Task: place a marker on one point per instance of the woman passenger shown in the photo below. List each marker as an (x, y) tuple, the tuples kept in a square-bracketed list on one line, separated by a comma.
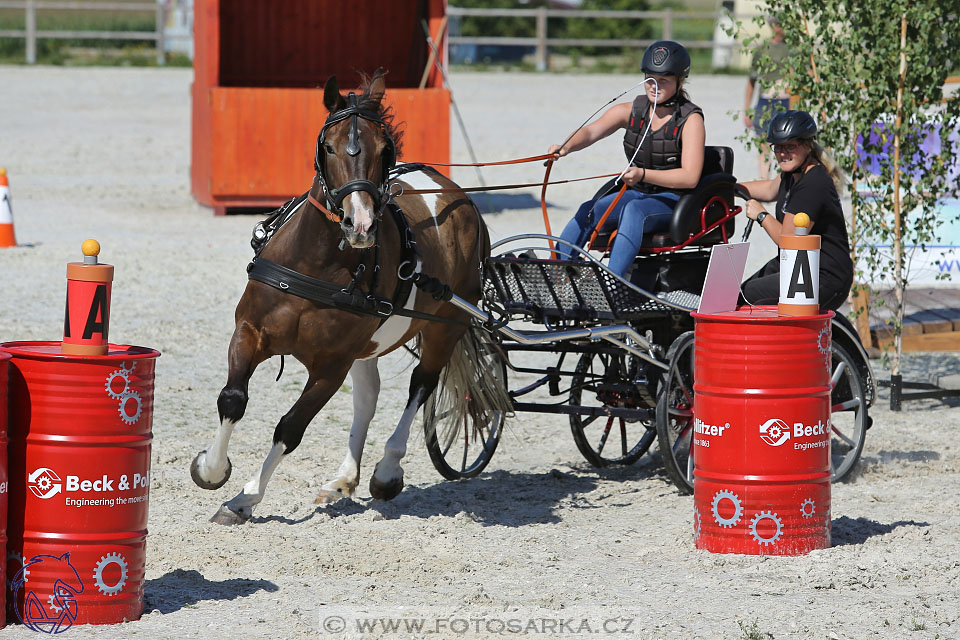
[(807, 183)]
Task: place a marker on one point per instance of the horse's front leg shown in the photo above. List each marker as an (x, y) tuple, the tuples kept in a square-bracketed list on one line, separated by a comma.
[(286, 438), (387, 479), (211, 467), (366, 389)]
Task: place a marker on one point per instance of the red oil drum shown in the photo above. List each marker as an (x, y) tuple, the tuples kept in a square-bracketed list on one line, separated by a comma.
[(762, 432), (4, 484), (80, 433)]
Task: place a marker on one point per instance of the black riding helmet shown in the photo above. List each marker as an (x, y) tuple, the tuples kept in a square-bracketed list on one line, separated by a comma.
[(666, 58), (791, 125)]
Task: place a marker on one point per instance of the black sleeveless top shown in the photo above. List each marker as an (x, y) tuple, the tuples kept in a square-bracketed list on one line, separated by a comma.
[(661, 148)]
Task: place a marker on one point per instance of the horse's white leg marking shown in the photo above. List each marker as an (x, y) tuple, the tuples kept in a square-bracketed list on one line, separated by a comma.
[(387, 336), (366, 389), (212, 464), (244, 502), (362, 216), (388, 470), (419, 180)]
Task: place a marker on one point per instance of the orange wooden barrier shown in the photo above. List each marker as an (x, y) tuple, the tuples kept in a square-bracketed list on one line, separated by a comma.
[(259, 70)]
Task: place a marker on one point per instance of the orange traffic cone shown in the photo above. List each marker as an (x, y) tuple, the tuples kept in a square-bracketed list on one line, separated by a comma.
[(7, 237)]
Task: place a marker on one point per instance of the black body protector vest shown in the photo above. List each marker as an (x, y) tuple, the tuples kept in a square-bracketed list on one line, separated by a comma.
[(661, 148)]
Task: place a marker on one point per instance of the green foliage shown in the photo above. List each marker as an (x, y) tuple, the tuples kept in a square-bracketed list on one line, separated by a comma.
[(845, 66), (603, 28), (499, 26)]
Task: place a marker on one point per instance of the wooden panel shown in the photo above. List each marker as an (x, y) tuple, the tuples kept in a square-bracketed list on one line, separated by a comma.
[(263, 139), (299, 43)]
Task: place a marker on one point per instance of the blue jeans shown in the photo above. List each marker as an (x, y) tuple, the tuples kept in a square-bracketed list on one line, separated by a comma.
[(636, 214)]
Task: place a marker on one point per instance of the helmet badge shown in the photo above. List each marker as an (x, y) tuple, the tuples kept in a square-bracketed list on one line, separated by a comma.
[(660, 55)]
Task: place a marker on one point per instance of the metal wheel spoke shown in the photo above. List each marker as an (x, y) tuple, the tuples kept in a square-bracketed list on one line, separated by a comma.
[(623, 437), (606, 433), (843, 437), (837, 374), (853, 403), (679, 412)]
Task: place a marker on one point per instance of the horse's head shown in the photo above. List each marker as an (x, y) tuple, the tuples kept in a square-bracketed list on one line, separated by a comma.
[(356, 150)]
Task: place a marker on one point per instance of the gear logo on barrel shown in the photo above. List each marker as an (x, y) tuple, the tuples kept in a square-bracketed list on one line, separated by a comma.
[(774, 432), (106, 561), (807, 508), (760, 517), (118, 387), (44, 483), (723, 494)]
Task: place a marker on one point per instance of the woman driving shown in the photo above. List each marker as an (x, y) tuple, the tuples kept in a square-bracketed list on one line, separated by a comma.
[(664, 143), (807, 183)]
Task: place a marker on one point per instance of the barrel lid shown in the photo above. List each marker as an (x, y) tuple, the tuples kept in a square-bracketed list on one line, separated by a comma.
[(757, 313), (50, 350)]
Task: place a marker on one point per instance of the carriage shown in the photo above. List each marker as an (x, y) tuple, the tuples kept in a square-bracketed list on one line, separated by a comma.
[(332, 284), (616, 354)]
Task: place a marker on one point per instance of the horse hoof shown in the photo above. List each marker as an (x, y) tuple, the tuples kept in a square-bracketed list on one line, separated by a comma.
[(200, 482), (385, 490), (226, 516), (328, 496)]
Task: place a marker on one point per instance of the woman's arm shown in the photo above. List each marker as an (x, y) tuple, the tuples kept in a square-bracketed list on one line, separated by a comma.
[(616, 117), (687, 175), (763, 190), (770, 223)]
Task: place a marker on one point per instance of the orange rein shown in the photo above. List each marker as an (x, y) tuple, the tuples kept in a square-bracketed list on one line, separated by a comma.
[(550, 159)]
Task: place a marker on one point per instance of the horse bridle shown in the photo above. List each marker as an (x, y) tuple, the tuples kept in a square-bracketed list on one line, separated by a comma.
[(335, 197)]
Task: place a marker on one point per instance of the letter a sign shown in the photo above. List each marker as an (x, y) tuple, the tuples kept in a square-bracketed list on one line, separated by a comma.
[(799, 276)]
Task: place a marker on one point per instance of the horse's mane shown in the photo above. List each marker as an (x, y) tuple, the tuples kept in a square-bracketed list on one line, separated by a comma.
[(374, 102)]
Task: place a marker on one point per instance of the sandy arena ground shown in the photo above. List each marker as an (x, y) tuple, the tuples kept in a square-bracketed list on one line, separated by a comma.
[(540, 536)]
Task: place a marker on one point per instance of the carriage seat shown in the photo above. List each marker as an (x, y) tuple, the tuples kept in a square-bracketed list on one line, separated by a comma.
[(716, 181)]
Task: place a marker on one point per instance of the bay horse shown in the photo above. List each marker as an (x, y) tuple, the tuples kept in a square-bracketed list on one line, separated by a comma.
[(339, 237)]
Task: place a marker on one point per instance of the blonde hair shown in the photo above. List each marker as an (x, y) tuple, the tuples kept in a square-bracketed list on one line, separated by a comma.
[(823, 156)]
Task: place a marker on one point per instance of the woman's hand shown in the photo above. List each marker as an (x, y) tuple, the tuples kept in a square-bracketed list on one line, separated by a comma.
[(753, 209), (633, 175), (557, 150)]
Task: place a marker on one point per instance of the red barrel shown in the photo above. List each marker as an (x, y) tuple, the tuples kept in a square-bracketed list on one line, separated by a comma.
[(80, 480), (762, 432), (4, 485)]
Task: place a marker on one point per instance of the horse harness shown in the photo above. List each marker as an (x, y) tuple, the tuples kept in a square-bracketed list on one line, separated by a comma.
[(351, 298)]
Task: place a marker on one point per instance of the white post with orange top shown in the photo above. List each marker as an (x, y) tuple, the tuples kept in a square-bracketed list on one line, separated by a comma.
[(799, 270), (7, 236)]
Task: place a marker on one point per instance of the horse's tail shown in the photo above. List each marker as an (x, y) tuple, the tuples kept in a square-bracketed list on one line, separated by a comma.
[(473, 385)]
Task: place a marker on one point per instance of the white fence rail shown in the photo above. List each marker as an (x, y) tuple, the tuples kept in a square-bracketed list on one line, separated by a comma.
[(32, 34), (542, 42)]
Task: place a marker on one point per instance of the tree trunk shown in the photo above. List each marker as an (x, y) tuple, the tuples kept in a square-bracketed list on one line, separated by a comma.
[(898, 261)]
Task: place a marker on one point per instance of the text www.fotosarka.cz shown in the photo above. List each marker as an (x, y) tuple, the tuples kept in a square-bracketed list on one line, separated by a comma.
[(399, 625)]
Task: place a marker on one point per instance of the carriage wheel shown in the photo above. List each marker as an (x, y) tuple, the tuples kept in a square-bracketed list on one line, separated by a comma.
[(675, 414), (848, 417), (603, 379), (463, 448)]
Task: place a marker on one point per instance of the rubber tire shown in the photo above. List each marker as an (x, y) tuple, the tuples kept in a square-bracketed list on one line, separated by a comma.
[(482, 459), (850, 386), (678, 467)]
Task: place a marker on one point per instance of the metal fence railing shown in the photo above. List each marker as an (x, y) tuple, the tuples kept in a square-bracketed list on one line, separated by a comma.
[(542, 43), (32, 34)]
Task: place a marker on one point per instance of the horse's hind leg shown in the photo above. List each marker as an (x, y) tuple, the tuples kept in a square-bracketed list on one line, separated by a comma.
[(211, 467), (438, 344), (286, 438), (366, 390)]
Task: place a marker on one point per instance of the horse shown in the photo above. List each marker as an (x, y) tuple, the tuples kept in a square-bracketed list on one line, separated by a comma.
[(339, 241)]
